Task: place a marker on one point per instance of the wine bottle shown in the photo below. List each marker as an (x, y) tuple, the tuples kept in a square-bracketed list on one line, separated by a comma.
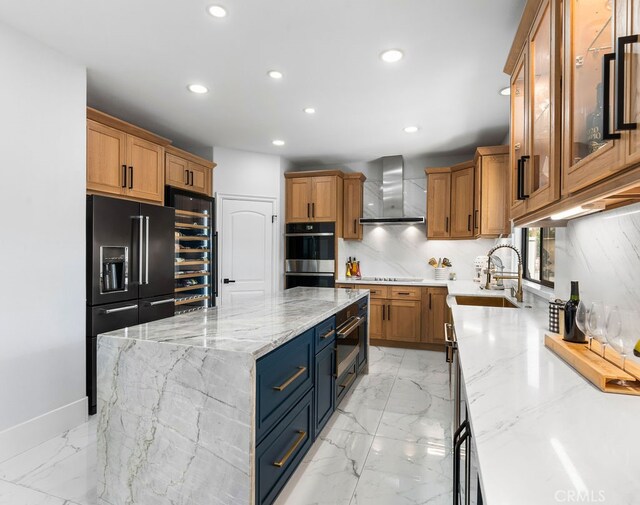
[(636, 349), (571, 331)]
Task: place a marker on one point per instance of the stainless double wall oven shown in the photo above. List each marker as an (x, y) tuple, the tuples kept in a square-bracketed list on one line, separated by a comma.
[(310, 255)]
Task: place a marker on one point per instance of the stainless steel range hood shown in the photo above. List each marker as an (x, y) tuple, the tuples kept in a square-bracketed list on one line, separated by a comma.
[(392, 195)]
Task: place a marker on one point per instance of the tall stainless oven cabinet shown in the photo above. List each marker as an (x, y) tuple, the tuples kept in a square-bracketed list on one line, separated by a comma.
[(310, 255), (130, 262)]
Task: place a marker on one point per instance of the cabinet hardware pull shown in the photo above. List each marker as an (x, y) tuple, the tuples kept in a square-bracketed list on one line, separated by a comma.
[(328, 334), (355, 226), (475, 219), (161, 302), (131, 181), (620, 78), (519, 179), (119, 309), (124, 176), (469, 222), (287, 383), (192, 177), (446, 226), (606, 92), (383, 317), (313, 209), (429, 301), (389, 312), (308, 210), (352, 377), (186, 174), (285, 458), (404, 293), (524, 179)]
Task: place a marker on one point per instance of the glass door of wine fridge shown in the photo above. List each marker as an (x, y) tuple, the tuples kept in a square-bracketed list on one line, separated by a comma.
[(196, 251)]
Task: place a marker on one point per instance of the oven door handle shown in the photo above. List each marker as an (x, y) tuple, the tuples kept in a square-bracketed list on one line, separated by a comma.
[(347, 328), (309, 234)]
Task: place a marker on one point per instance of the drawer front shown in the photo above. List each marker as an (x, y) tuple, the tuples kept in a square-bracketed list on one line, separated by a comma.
[(280, 453), (376, 291), (345, 382), (325, 333), (324, 387), (405, 293), (282, 378)]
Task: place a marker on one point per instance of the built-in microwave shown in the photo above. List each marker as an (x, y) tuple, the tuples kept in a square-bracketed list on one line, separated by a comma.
[(310, 255)]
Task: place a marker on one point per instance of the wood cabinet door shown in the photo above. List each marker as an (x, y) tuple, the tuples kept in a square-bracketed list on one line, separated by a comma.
[(377, 317), (438, 314), (106, 159), (519, 135), (588, 157), (493, 216), (631, 26), (403, 320), (438, 205), (352, 212), (298, 205), (146, 169), (462, 189), (199, 178), (176, 171), (542, 167), (324, 196)]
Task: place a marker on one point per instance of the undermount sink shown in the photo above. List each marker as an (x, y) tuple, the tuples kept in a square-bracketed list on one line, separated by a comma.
[(486, 301)]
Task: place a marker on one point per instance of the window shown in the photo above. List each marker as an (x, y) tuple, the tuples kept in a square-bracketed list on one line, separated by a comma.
[(539, 255)]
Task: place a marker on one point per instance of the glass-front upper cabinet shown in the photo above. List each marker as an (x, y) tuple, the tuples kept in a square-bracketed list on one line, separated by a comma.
[(591, 151), (542, 167), (519, 132), (632, 82)]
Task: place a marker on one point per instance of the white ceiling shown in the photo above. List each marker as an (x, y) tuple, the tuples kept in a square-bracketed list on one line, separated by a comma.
[(141, 54)]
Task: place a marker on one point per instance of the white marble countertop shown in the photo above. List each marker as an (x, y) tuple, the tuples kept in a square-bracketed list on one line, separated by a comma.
[(543, 433), (422, 282), (253, 325)]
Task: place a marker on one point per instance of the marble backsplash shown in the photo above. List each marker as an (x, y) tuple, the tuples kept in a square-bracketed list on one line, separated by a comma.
[(403, 250), (602, 252)]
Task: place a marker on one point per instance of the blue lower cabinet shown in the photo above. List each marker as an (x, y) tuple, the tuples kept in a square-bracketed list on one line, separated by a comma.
[(283, 377), (278, 455), (325, 333), (325, 387)]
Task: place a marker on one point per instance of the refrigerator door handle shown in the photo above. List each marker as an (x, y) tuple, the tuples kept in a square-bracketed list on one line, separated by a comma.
[(120, 309), (140, 239), (146, 250)]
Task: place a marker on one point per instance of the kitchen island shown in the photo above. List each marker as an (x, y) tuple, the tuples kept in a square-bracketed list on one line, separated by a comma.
[(206, 407)]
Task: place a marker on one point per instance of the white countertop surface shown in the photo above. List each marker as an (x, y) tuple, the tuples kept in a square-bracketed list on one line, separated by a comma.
[(422, 282), (253, 325), (543, 432)]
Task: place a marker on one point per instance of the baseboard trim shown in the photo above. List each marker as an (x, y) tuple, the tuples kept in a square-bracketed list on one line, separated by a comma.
[(380, 342), (33, 432)]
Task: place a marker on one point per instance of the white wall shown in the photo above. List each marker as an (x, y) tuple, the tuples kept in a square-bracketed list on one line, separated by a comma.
[(42, 263), (253, 174)]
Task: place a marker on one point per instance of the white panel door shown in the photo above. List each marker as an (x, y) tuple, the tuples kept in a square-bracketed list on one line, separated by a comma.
[(246, 249)]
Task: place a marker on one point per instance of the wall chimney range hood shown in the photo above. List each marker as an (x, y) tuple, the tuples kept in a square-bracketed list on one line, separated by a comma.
[(392, 195)]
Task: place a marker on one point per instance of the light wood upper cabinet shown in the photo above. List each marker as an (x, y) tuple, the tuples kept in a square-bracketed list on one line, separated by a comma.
[(106, 159), (124, 160), (353, 202), (462, 192), (438, 202), (189, 172), (315, 197), (491, 215), (145, 169), (519, 135), (324, 198), (631, 25)]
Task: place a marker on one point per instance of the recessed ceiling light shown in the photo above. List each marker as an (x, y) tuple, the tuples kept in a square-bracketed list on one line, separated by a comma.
[(278, 143), (411, 129), (505, 91), (309, 110), (274, 74), (392, 55), (217, 11), (198, 88)]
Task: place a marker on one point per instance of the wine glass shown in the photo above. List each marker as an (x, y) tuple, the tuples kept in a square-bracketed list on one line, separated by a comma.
[(582, 317), (620, 334), (596, 323)]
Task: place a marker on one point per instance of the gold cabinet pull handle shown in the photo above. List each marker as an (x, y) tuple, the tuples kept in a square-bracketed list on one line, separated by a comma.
[(350, 379), (287, 383), (285, 458), (328, 334)]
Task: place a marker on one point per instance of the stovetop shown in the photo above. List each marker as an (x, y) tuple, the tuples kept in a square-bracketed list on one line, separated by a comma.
[(392, 279)]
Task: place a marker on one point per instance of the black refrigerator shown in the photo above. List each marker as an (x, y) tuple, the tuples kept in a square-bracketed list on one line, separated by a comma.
[(130, 269)]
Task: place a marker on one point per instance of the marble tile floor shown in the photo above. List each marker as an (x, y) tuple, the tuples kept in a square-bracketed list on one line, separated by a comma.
[(388, 443)]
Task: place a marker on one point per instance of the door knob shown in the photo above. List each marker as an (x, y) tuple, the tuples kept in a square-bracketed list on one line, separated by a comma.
[(228, 281)]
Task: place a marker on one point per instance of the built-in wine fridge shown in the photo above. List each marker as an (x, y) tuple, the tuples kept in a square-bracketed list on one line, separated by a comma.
[(196, 250)]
